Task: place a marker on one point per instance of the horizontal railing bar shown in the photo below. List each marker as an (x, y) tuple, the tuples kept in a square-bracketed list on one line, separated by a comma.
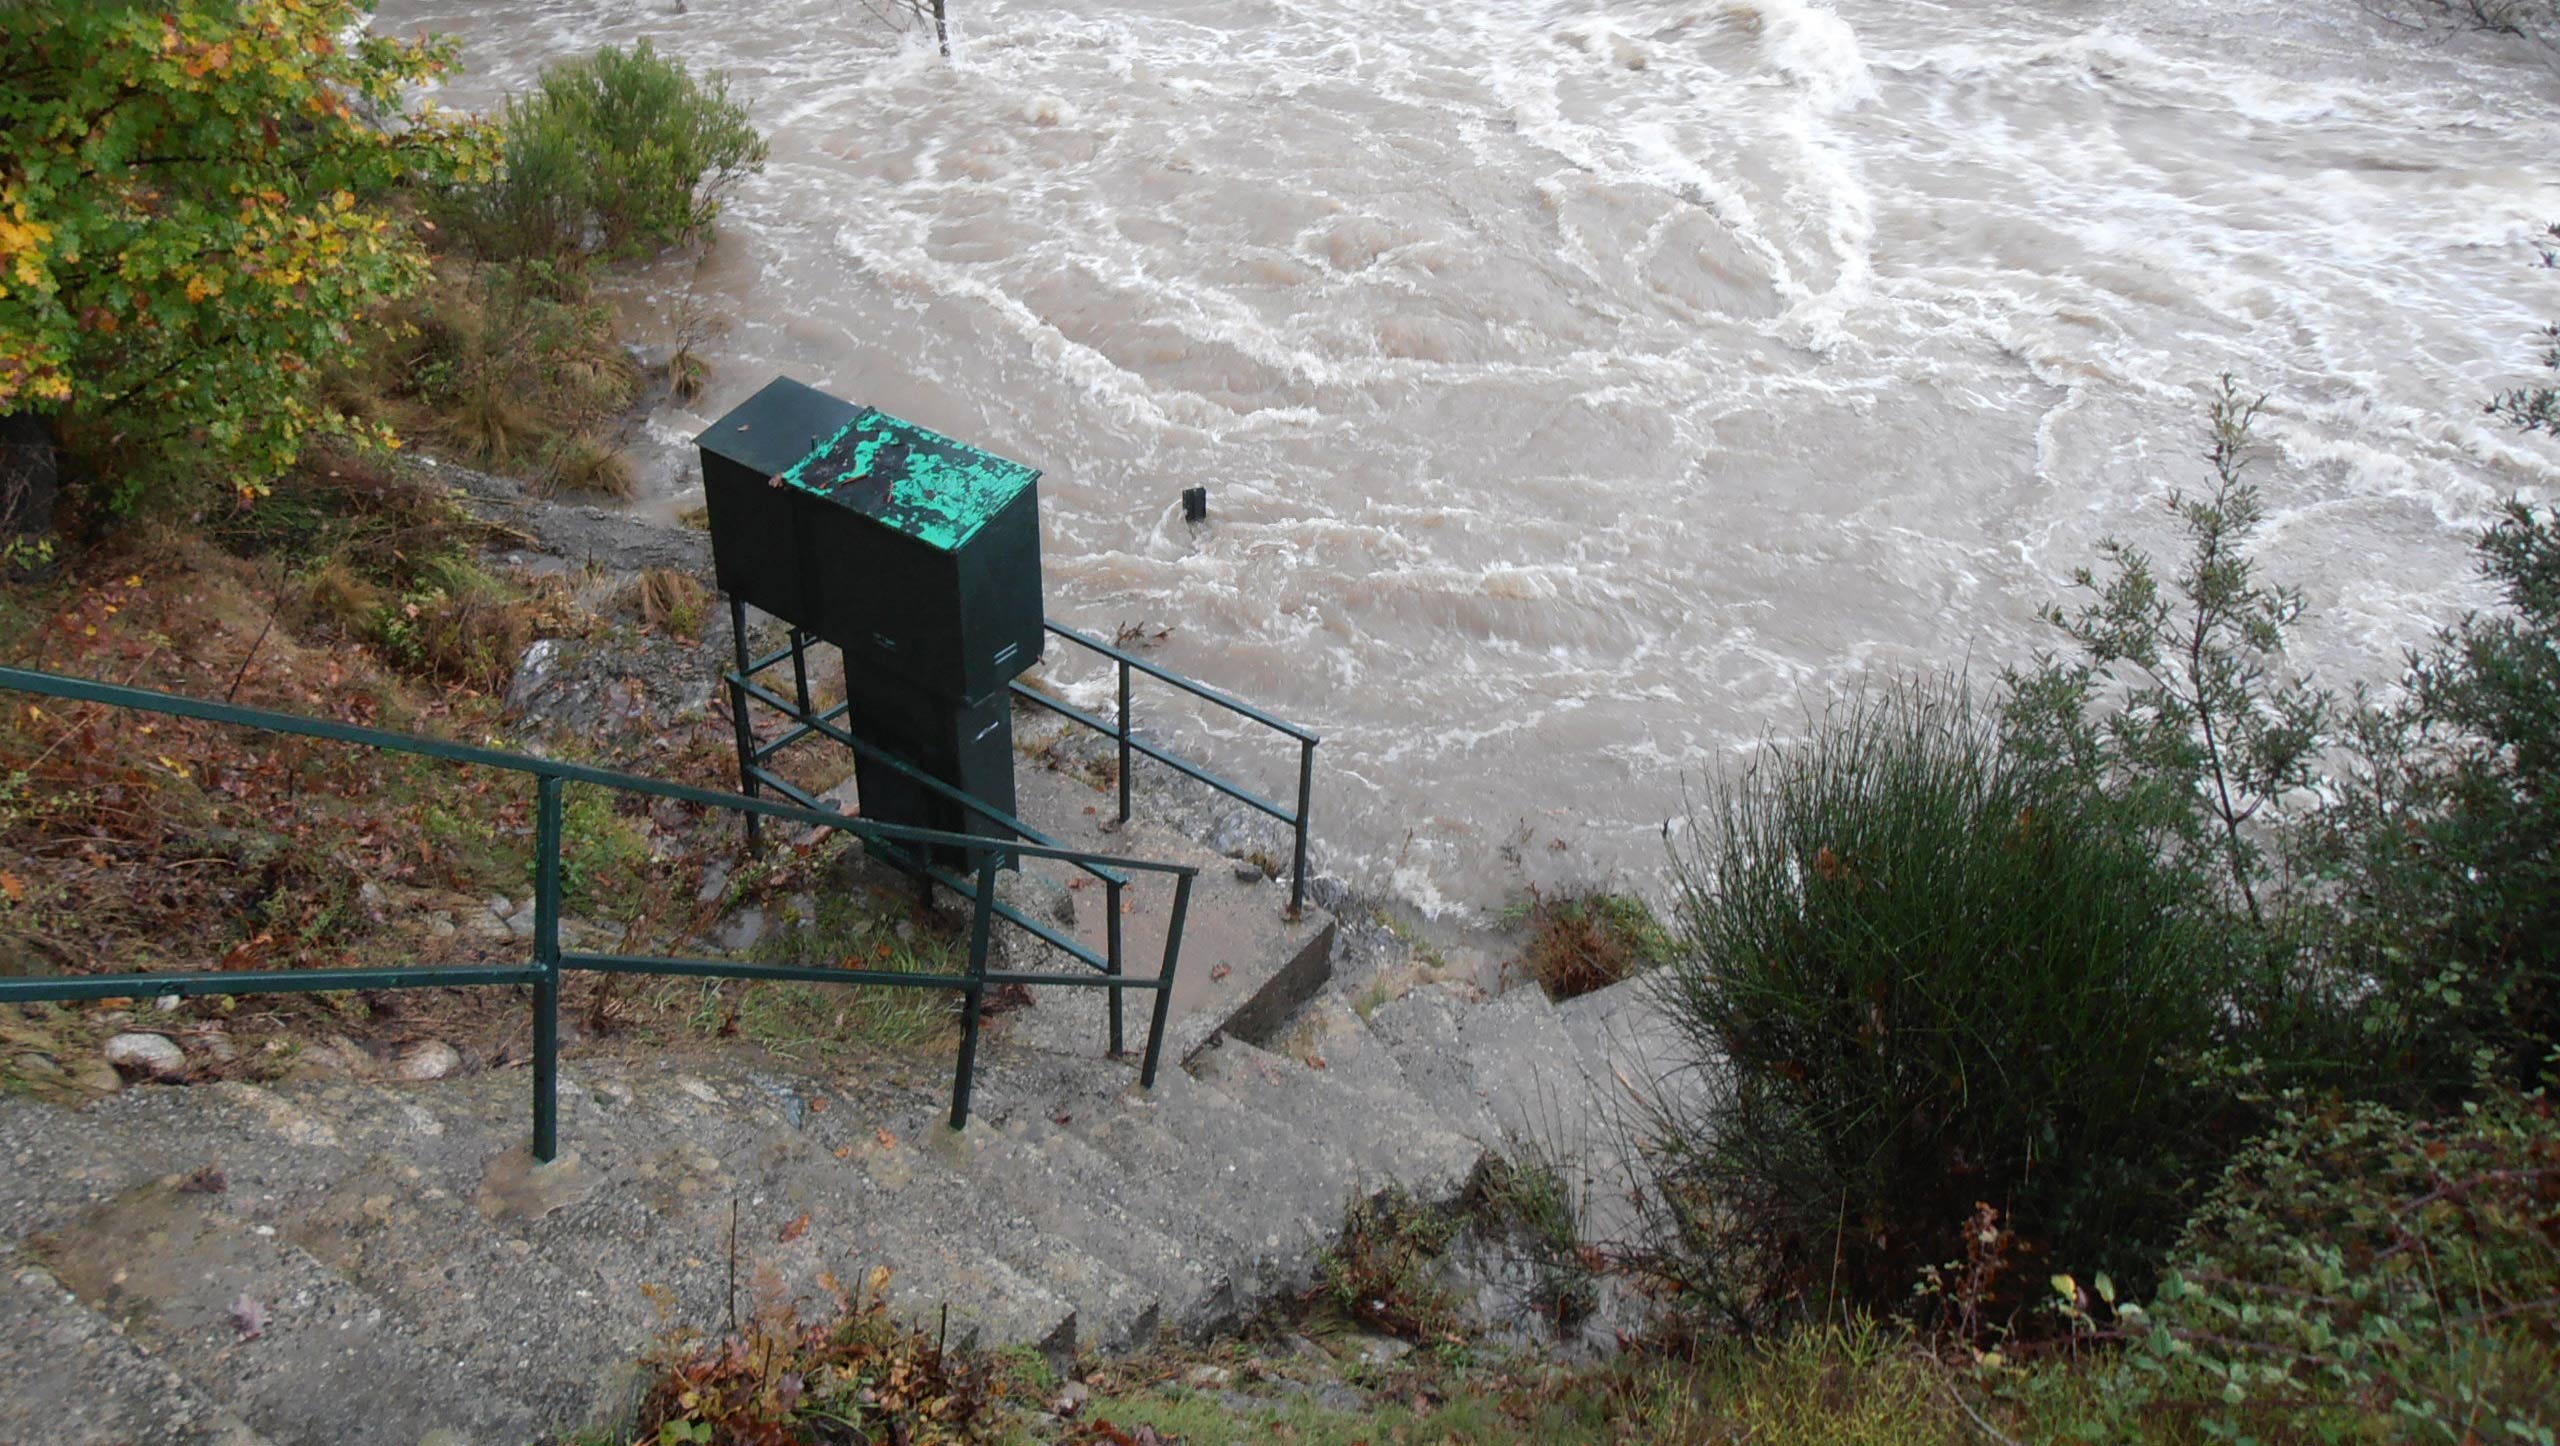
[(787, 789), (1185, 684), (1007, 912), (116, 695), (1235, 791), (1080, 981), (769, 660), (1232, 790), (798, 732), (777, 973), (975, 805), (260, 981), (1098, 725), (820, 974)]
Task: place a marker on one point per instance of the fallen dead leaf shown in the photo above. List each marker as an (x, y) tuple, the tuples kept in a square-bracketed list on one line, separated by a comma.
[(249, 1317), (797, 1228), (887, 1141), (9, 885)]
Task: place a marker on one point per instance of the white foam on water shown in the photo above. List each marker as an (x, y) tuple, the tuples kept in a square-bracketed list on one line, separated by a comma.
[(1586, 391)]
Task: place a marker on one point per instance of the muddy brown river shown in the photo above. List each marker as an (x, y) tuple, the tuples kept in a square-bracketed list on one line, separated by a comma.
[(1585, 391)]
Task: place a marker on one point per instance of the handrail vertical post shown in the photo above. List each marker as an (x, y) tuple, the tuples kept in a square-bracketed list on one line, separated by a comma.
[(800, 671), (546, 957), (1164, 980), (973, 998), (1306, 796), (738, 719), (1111, 958), (1124, 740)]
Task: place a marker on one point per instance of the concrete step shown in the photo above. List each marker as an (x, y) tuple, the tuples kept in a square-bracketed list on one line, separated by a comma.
[(669, 1175), (977, 1192), (71, 1377), (1641, 1064), (1271, 1186), (1505, 1069), (1019, 1147), (1330, 1035), (293, 1348), (1628, 1042), (1245, 964), (1389, 1134)]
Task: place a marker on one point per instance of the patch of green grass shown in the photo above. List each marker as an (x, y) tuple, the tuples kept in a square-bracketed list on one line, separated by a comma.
[(1528, 1200), (604, 860), (1409, 936), (1383, 1272), (853, 930)]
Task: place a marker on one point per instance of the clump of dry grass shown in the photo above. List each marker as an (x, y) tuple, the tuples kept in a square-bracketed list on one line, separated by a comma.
[(506, 365), (581, 462), (1586, 940), (671, 601)]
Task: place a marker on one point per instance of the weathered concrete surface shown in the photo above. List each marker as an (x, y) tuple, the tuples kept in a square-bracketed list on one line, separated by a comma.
[(1505, 1069), (1245, 965), (76, 1379), (379, 1230)]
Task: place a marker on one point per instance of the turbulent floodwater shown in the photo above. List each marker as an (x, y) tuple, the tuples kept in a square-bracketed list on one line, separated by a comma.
[(1585, 391)]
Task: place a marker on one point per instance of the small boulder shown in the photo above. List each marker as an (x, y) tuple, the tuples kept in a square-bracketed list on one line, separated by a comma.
[(154, 1055), (741, 931), (428, 1059), (715, 883)]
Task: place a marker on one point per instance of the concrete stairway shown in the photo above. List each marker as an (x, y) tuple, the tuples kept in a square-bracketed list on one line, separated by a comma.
[(378, 1262), (357, 1260)]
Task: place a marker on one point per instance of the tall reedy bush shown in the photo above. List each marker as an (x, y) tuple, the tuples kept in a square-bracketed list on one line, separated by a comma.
[(1925, 978)]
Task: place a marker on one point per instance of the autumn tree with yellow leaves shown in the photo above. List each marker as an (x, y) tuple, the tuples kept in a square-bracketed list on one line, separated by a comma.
[(196, 214)]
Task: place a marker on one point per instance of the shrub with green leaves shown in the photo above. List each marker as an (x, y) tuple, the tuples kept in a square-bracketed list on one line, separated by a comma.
[(2448, 841), (194, 216), (2176, 702), (622, 153), (2358, 1275), (1923, 978)]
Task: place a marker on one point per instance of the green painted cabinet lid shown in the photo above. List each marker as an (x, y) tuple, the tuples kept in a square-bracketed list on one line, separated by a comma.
[(909, 479)]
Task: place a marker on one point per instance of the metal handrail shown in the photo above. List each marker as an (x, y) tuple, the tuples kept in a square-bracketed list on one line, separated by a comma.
[(808, 719), (549, 961), (1121, 732)]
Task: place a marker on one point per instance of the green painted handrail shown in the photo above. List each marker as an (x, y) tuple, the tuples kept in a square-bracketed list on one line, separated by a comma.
[(1124, 731), (549, 961)]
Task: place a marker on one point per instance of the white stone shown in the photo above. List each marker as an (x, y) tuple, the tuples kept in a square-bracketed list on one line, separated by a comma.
[(428, 1059), (156, 1055)]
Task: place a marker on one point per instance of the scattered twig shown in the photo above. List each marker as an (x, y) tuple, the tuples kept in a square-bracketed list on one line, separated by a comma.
[(275, 604)]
